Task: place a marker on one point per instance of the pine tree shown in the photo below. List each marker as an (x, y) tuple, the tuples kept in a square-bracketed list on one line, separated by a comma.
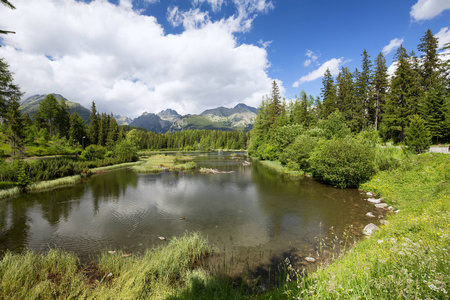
[(380, 86), (402, 100), (364, 105), (346, 96), (274, 107), (15, 131), (93, 128), (113, 132), (328, 95), (417, 135), (48, 113), (77, 130), (429, 64), (8, 90), (63, 118), (9, 5)]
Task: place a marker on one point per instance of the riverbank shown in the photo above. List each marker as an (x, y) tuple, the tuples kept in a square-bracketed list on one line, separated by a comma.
[(63, 181), (406, 258)]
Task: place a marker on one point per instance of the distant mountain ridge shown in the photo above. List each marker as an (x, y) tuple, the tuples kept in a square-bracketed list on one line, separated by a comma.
[(240, 117)]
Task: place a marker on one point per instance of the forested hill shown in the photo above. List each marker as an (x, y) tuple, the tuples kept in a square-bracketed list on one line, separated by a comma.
[(240, 117), (31, 106)]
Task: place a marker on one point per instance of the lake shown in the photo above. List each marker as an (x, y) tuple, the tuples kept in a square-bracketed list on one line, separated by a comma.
[(252, 214)]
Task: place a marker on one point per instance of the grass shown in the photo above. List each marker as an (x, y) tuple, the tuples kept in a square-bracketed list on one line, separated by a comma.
[(278, 167), (159, 273), (408, 258), (9, 192), (44, 185), (118, 166), (160, 163)]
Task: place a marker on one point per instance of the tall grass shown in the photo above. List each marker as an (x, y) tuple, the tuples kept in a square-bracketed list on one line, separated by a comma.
[(9, 192), (157, 274), (43, 185), (160, 163)]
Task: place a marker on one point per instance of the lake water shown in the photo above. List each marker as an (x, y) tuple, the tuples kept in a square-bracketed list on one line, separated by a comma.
[(253, 213)]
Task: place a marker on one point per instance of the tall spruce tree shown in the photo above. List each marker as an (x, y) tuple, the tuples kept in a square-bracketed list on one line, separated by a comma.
[(77, 130), (346, 96), (63, 118), (15, 131), (429, 61), (93, 128), (328, 93), (275, 106), (380, 87), (8, 90), (48, 113), (364, 105), (402, 100)]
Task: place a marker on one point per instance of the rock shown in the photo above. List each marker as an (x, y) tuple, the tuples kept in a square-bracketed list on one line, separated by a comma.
[(369, 229), (369, 194), (381, 205), (397, 211), (162, 238), (112, 252), (391, 208), (310, 259), (374, 201), (383, 222), (370, 214)]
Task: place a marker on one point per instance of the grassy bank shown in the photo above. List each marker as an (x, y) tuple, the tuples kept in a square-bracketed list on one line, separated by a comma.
[(277, 166), (159, 273), (160, 163), (408, 258)]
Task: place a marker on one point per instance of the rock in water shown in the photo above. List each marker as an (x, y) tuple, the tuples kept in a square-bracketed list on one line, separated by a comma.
[(381, 205), (370, 214), (374, 201), (369, 229), (310, 259)]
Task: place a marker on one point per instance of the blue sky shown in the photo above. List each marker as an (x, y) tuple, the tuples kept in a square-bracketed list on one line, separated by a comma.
[(191, 55)]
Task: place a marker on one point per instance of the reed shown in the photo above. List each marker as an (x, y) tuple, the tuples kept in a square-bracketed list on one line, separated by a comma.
[(44, 185)]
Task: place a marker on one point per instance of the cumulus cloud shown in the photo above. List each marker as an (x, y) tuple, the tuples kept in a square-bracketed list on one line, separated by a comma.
[(312, 58), (443, 36), (126, 63), (394, 43), (333, 65), (428, 9)]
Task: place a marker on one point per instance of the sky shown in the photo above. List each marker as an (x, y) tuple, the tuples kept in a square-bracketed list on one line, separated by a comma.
[(135, 56)]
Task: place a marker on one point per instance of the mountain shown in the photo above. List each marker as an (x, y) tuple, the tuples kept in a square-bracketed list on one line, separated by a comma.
[(151, 122), (169, 115), (31, 106), (123, 120), (241, 108)]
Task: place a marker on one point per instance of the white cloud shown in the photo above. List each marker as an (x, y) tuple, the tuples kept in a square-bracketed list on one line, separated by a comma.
[(216, 5), (333, 65), (312, 58), (126, 63), (394, 43), (428, 9), (443, 37)]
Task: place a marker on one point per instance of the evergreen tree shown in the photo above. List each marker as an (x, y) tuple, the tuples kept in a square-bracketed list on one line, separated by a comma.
[(77, 130), (346, 97), (380, 87), (429, 64), (417, 135), (93, 128), (113, 132), (364, 105), (328, 95), (9, 5), (63, 118), (274, 108), (15, 131), (402, 101), (8, 90), (48, 113)]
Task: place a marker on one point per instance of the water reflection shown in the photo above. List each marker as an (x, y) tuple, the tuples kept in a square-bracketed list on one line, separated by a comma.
[(252, 210)]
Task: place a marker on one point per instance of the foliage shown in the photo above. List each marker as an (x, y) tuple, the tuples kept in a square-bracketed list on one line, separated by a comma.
[(417, 135), (334, 126), (126, 151), (343, 162), (296, 155), (93, 152)]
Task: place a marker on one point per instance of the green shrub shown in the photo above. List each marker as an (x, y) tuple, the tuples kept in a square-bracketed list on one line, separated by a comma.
[(296, 155), (93, 152), (334, 126), (126, 151), (343, 162), (418, 137), (388, 158)]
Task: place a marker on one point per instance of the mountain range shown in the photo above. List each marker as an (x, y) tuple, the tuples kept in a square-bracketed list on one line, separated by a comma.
[(240, 117)]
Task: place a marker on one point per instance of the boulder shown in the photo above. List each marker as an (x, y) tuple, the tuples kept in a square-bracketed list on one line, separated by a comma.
[(374, 201), (310, 259), (370, 228), (381, 205), (370, 214)]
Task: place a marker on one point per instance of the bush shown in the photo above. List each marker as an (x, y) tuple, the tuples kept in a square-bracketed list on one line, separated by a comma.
[(126, 151), (334, 126), (388, 158), (93, 152), (417, 135), (343, 162), (296, 155)]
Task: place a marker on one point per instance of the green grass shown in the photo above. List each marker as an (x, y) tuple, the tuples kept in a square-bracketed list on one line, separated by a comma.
[(44, 185), (408, 258), (118, 166), (160, 163), (278, 167), (159, 273), (9, 192)]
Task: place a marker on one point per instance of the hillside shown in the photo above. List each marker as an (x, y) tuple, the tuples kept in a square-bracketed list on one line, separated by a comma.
[(31, 105)]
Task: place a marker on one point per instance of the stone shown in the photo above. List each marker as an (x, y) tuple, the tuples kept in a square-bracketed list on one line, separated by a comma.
[(383, 222), (370, 228), (381, 205), (369, 194), (374, 201), (310, 259), (370, 214), (391, 208), (397, 211)]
